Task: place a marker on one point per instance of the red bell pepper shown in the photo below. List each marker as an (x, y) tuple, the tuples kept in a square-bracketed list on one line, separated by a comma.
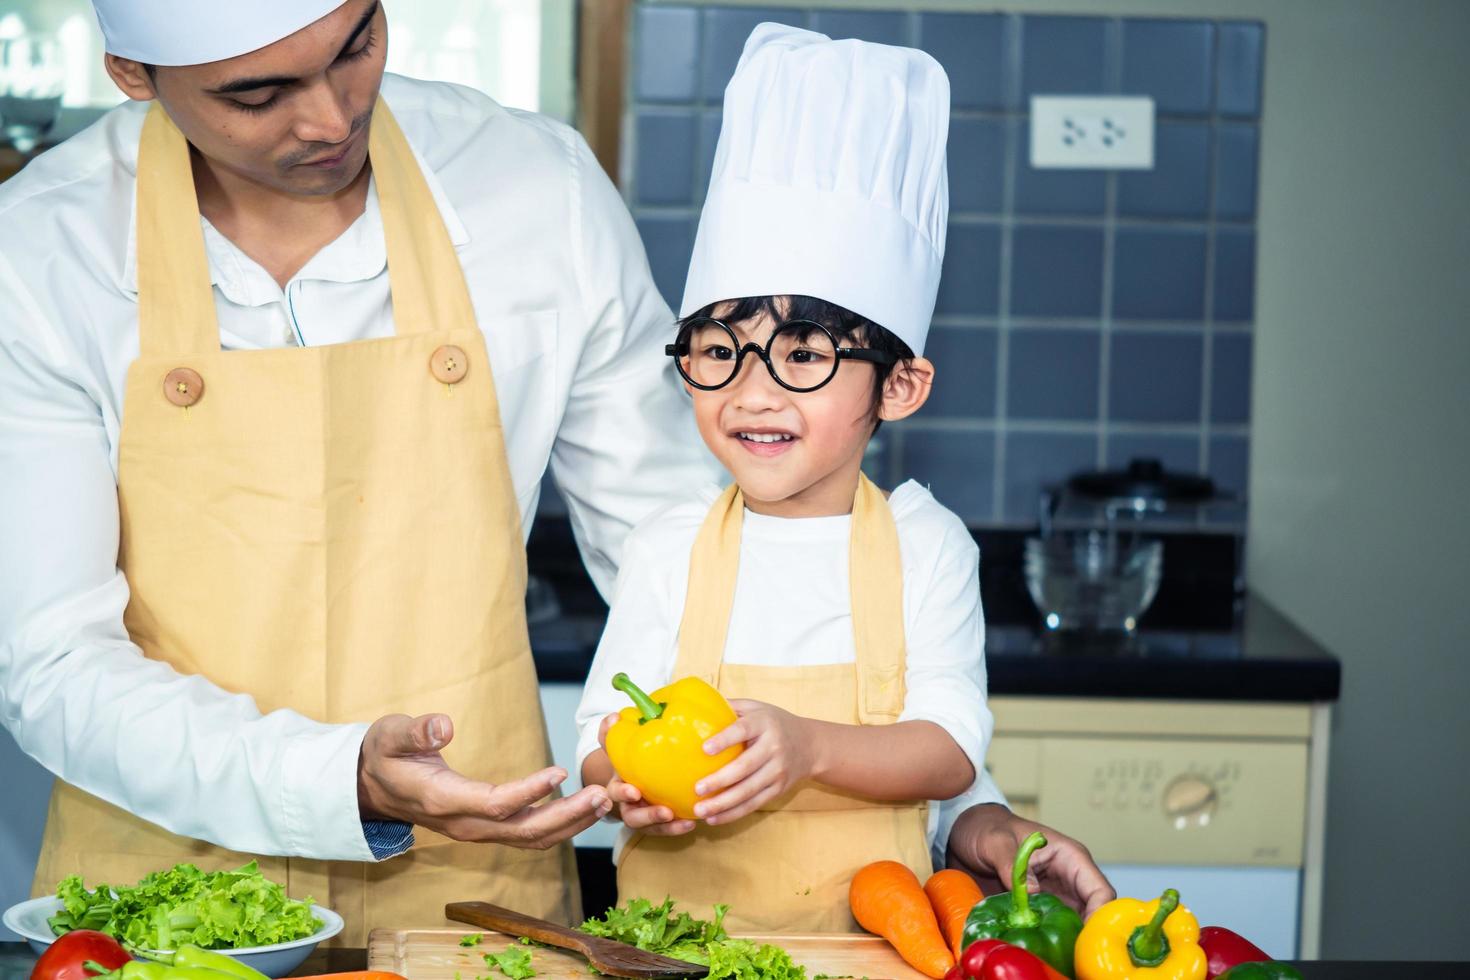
[(1226, 949), (991, 959), (80, 955)]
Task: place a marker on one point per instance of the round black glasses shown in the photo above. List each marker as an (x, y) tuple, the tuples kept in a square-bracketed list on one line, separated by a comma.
[(802, 355)]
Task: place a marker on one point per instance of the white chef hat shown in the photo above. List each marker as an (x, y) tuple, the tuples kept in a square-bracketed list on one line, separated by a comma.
[(194, 32), (829, 180)]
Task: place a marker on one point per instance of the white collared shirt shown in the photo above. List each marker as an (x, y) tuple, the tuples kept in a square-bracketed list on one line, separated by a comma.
[(574, 328), (793, 608)]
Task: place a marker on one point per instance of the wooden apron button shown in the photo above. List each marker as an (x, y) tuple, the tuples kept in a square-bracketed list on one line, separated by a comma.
[(183, 387), (449, 364)]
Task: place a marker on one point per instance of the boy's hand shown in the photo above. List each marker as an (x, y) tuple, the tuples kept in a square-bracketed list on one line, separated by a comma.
[(778, 754), (628, 799), (638, 815)]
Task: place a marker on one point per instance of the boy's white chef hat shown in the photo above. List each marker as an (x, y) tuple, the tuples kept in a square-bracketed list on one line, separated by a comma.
[(194, 32), (829, 180)]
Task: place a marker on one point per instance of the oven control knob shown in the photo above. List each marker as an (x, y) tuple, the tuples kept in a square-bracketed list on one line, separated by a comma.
[(1190, 801)]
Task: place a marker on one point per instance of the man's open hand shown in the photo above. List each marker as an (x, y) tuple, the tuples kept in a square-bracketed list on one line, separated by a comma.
[(402, 775)]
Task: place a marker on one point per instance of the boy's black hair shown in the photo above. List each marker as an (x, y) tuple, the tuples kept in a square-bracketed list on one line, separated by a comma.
[(850, 329)]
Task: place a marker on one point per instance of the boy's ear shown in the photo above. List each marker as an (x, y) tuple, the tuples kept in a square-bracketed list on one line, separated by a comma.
[(907, 389)]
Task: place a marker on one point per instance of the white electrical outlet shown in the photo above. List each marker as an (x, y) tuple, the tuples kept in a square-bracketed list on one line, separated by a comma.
[(1092, 133)]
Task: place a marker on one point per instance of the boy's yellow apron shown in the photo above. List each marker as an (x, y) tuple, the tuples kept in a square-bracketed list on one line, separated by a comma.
[(786, 868), (332, 530)]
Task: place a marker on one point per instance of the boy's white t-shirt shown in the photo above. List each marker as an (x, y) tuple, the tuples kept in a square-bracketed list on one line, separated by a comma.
[(792, 608)]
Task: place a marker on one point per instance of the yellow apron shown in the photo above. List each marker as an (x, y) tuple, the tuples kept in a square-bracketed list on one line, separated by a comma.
[(786, 868), (328, 529)]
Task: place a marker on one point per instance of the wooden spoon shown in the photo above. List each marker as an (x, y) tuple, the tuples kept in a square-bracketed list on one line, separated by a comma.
[(606, 955)]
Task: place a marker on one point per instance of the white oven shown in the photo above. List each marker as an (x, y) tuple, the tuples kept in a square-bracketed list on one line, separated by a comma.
[(1221, 800)]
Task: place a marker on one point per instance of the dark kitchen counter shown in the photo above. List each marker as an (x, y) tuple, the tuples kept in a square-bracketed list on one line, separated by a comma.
[(16, 960), (1200, 640), (1265, 658)]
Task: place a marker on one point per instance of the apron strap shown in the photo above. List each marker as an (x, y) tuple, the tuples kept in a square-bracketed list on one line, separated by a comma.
[(175, 299), (424, 274), (875, 581), (875, 575), (714, 565), (176, 313)]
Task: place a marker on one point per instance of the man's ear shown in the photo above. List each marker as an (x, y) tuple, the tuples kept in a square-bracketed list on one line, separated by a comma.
[(130, 76), (907, 389)]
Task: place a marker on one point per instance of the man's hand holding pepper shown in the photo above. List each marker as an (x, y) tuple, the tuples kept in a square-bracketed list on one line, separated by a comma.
[(985, 840), (402, 775)]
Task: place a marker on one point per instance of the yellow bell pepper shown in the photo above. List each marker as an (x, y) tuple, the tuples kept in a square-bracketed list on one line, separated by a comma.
[(658, 745), (1128, 939)]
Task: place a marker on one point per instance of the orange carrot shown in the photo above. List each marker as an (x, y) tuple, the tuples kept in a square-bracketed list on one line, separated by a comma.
[(953, 894), (356, 975), (887, 899)]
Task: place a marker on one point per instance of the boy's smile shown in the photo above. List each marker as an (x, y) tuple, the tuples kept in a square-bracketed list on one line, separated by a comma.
[(796, 454), (762, 441)]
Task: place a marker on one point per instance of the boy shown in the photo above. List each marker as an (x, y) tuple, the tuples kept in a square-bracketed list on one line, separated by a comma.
[(844, 624)]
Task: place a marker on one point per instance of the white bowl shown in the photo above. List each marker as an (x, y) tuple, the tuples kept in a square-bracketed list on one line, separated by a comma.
[(29, 920)]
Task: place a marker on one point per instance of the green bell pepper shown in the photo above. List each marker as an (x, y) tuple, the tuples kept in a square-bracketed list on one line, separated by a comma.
[(1261, 971), (1041, 924)]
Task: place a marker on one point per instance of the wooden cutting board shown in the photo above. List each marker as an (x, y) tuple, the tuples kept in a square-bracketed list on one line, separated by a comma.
[(435, 954)]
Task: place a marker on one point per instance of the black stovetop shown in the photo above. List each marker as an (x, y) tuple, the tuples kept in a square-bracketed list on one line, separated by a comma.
[(1204, 637)]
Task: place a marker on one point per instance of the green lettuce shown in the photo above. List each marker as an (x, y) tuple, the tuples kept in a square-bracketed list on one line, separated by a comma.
[(660, 929), (514, 962), (167, 909)]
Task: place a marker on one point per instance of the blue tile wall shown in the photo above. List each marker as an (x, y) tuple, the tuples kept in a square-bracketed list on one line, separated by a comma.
[(666, 53), (1235, 274), (1238, 84), (1053, 374), (1033, 460), (1235, 171), (964, 384), (878, 26), (1155, 377), (1230, 463), (975, 51), (668, 240), (1179, 184), (1230, 378), (1084, 317), (1057, 271), (1172, 61), (664, 170), (977, 165), (1159, 273), (1064, 54), (969, 283)]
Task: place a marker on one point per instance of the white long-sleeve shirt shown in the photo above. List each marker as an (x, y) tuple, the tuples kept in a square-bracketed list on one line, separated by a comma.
[(792, 608), (575, 330)]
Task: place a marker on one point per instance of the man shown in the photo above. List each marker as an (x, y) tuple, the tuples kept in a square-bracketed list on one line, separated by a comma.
[(281, 369)]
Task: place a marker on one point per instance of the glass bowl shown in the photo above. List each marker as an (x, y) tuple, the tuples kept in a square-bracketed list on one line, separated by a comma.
[(1093, 580)]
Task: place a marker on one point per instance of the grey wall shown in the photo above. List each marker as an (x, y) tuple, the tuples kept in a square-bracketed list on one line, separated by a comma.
[(1360, 423), (1361, 460)]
